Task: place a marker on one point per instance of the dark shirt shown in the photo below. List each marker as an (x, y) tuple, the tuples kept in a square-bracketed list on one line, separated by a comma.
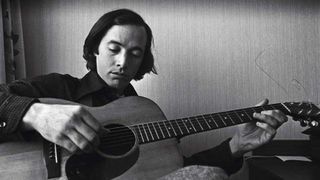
[(91, 90)]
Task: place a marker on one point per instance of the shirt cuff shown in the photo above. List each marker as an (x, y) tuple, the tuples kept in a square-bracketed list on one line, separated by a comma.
[(12, 110)]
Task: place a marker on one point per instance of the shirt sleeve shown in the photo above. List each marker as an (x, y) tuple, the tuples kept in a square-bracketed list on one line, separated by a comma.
[(12, 109), (219, 156), (18, 96)]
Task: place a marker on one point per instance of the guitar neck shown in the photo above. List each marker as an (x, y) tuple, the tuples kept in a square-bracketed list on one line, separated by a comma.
[(160, 130)]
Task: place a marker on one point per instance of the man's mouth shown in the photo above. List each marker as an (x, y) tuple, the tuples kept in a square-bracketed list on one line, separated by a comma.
[(119, 75)]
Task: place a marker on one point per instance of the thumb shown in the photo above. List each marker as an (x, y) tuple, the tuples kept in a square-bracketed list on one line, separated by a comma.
[(263, 102)]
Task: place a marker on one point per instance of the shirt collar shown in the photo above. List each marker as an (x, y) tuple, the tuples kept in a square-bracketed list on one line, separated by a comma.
[(92, 82)]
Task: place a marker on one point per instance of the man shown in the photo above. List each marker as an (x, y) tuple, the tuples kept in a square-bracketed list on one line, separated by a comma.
[(117, 50)]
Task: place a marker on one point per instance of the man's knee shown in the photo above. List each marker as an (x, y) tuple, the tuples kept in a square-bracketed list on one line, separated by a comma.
[(197, 172)]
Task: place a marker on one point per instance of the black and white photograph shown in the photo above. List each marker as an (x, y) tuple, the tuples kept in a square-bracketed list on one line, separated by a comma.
[(160, 89)]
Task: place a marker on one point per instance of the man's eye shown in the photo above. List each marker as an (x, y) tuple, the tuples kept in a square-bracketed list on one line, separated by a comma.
[(136, 53), (114, 49)]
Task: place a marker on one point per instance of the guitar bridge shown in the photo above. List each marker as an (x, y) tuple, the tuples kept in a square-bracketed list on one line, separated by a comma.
[(51, 154)]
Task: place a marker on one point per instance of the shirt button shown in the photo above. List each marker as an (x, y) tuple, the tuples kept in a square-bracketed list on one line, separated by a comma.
[(3, 124)]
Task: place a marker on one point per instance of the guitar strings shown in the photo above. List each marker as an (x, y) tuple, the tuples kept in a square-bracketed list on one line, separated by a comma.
[(201, 117), (114, 139), (228, 113)]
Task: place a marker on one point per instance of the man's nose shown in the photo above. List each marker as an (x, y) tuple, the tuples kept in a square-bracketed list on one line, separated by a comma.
[(122, 60)]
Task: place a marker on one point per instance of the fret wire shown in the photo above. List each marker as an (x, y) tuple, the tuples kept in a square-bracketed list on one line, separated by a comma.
[(182, 126), (209, 120), (250, 118), (150, 132), (283, 108), (141, 134), (222, 119), (161, 130), (136, 129), (205, 120), (167, 129), (227, 119), (186, 126), (192, 125), (197, 120), (239, 117), (145, 132), (195, 124), (231, 119), (176, 121), (214, 121), (155, 129), (173, 128)]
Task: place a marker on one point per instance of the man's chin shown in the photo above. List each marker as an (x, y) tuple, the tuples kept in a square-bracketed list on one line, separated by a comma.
[(118, 85)]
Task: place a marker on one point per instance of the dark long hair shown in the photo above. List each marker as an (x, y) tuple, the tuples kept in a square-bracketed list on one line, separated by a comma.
[(101, 27)]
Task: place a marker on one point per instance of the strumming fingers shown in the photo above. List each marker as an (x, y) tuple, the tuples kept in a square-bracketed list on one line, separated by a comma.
[(79, 140), (66, 143)]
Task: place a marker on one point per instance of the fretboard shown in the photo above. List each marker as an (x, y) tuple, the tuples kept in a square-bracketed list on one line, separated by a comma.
[(160, 130)]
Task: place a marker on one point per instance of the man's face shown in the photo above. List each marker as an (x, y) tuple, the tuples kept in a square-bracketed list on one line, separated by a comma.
[(120, 54)]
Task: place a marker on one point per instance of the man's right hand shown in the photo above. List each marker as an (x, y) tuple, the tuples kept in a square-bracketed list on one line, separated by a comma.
[(70, 126)]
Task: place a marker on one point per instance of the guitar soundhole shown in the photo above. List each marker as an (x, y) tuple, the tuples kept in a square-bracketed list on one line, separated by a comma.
[(116, 140)]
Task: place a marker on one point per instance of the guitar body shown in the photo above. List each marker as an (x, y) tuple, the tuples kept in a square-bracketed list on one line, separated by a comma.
[(24, 160)]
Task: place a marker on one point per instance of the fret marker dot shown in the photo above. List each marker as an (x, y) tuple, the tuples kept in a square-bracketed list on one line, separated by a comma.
[(242, 114), (225, 118)]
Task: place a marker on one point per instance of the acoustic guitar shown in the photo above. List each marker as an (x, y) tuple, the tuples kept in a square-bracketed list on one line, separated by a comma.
[(137, 142)]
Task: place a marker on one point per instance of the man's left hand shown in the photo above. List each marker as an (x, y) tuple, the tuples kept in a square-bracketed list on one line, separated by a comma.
[(254, 134)]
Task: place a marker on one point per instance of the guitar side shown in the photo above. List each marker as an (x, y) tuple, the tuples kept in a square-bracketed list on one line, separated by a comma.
[(24, 160)]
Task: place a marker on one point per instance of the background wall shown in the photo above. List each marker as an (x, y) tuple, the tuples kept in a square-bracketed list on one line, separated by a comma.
[(211, 55)]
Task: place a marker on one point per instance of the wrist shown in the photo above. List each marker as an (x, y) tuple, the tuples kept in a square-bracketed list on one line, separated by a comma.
[(30, 116), (235, 150)]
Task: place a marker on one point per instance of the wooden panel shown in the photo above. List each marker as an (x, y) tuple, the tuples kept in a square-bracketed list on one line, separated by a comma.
[(211, 55)]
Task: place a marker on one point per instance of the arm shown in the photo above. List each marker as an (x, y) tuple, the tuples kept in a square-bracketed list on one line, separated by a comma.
[(12, 109), (69, 126)]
